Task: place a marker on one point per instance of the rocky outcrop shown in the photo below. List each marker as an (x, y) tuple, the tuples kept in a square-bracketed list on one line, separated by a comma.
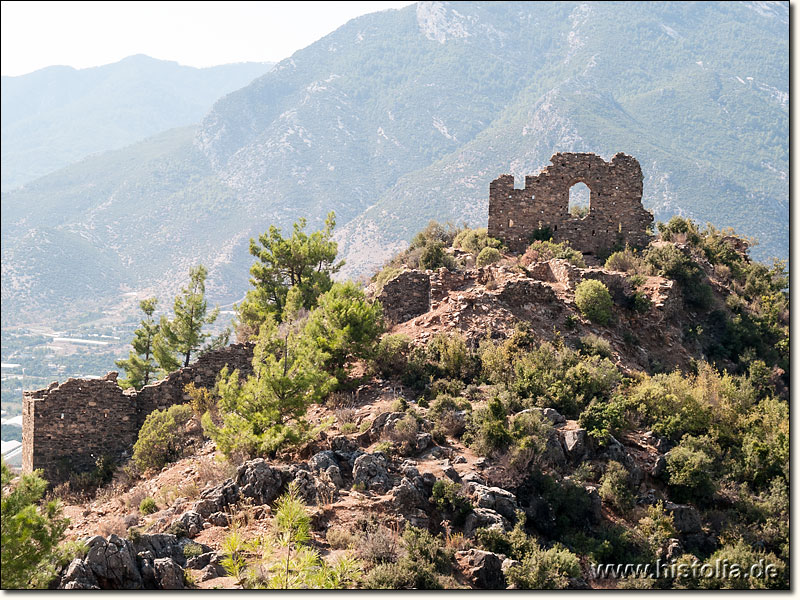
[(151, 562), (484, 570), (370, 471)]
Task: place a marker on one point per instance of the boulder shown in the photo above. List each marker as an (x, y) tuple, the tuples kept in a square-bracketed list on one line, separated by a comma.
[(660, 467), (371, 471), (576, 444), (406, 496), (192, 521), (484, 517), (257, 480), (217, 498), (168, 574), (79, 576), (495, 498), (322, 460), (219, 519), (484, 570), (554, 452), (596, 503), (687, 518)]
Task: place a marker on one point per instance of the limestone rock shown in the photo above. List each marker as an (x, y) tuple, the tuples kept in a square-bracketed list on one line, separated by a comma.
[(483, 569), (371, 471), (687, 518), (257, 480), (484, 517)]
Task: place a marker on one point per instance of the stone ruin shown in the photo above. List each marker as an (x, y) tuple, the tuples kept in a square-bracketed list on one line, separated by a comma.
[(67, 427), (616, 215)]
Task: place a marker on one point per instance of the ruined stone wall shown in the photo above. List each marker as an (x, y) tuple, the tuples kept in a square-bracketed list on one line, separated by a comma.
[(68, 427), (406, 296), (203, 373), (616, 214)]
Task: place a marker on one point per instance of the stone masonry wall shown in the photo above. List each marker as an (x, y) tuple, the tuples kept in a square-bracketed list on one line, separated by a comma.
[(615, 214), (406, 296), (67, 427)]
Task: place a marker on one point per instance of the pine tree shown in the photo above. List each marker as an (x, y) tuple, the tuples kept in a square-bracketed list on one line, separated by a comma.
[(141, 362), (184, 333), (31, 529), (303, 261)]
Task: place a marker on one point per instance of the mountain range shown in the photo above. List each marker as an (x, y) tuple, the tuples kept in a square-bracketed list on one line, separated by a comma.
[(406, 115), (56, 116)]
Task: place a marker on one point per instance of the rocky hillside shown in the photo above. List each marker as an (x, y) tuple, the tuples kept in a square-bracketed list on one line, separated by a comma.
[(499, 438), (402, 116)]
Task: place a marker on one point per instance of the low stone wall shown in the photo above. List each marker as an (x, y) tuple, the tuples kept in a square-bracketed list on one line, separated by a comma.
[(67, 427), (406, 296)]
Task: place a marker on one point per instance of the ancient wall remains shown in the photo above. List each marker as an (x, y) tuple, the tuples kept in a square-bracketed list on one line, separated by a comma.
[(406, 296), (68, 427), (616, 214)]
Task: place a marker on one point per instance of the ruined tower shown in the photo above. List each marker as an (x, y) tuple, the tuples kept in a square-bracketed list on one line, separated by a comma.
[(616, 214)]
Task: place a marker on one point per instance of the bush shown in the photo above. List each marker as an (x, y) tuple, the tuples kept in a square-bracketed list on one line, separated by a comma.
[(475, 240), (488, 256), (377, 546), (391, 356), (657, 527), (340, 539), (541, 250), (545, 570), (592, 344), (615, 487), (594, 301), (344, 326), (448, 498), (148, 506), (690, 473), (434, 257), (192, 550), (162, 437), (626, 261), (743, 555)]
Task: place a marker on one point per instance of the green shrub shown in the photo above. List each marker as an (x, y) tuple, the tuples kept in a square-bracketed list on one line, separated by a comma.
[(657, 527), (690, 473), (743, 555), (162, 437), (488, 256), (434, 257), (344, 326), (391, 356), (604, 418), (192, 550), (542, 250), (448, 498), (339, 538), (148, 506), (594, 301), (615, 487), (592, 344), (626, 261), (545, 570), (31, 531), (475, 240)]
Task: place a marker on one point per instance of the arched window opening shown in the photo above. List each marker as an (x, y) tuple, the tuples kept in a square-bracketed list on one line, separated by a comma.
[(579, 200)]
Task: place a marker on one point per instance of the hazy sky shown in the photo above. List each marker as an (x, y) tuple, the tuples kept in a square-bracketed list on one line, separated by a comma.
[(200, 34)]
